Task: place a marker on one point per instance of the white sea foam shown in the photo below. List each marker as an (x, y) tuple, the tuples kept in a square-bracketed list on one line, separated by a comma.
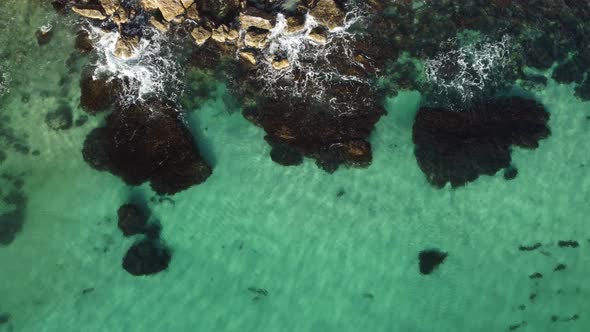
[(308, 59), (474, 68), (151, 71)]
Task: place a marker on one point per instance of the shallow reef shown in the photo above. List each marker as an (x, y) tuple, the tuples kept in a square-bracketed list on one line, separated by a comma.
[(457, 147)]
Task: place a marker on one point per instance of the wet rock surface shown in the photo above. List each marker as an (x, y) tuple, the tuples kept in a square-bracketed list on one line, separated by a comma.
[(457, 147), (147, 142)]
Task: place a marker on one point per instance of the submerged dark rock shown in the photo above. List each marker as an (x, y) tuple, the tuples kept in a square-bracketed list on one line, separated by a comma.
[(132, 219), (530, 247), (430, 259), (11, 222), (60, 118), (147, 142), (458, 147), (4, 317), (536, 275), (510, 173), (559, 267), (147, 257), (568, 243)]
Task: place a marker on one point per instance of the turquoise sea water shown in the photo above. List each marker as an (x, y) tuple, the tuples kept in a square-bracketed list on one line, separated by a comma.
[(335, 252)]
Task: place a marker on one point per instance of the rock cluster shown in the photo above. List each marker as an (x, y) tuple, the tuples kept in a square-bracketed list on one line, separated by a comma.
[(457, 147), (243, 24), (147, 142)]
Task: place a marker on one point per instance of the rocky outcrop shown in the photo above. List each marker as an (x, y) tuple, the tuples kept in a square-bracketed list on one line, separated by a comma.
[(132, 219), (60, 118), (457, 147), (98, 92), (147, 142), (430, 259), (147, 257), (126, 46), (332, 136), (328, 13)]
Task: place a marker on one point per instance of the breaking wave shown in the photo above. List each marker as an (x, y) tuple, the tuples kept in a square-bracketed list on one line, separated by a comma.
[(468, 71), (310, 68), (153, 70)]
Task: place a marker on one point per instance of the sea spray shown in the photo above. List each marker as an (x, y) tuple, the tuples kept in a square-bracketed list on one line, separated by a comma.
[(310, 68), (152, 70)]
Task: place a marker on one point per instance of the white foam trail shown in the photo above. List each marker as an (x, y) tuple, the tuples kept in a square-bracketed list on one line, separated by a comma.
[(151, 71)]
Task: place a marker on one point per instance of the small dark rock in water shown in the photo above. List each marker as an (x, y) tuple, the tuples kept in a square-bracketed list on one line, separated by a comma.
[(81, 120), (285, 155), (430, 259), (529, 247), (515, 327), (340, 193), (2, 156), (568, 243), (532, 296), (510, 173), (131, 219), (21, 147), (44, 35), (457, 147), (560, 267), (146, 257), (259, 291), (522, 307), (60, 119), (4, 317), (87, 290), (83, 42), (536, 275), (36, 153)]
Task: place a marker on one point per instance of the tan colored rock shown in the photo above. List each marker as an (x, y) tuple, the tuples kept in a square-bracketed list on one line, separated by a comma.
[(249, 57), (126, 46), (328, 14), (187, 3), (201, 35), (169, 8), (192, 12), (220, 34), (256, 39), (110, 6), (120, 16), (318, 35), (90, 13), (253, 17), (280, 64), (162, 26), (233, 35), (295, 24)]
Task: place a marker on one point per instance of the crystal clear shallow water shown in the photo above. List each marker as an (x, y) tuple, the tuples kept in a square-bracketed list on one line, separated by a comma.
[(254, 223)]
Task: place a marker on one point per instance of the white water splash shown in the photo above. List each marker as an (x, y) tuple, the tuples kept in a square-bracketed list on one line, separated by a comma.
[(308, 59), (474, 68), (151, 71)]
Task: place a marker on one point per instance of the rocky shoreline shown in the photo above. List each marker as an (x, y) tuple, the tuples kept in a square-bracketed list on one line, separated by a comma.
[(313, 73)]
